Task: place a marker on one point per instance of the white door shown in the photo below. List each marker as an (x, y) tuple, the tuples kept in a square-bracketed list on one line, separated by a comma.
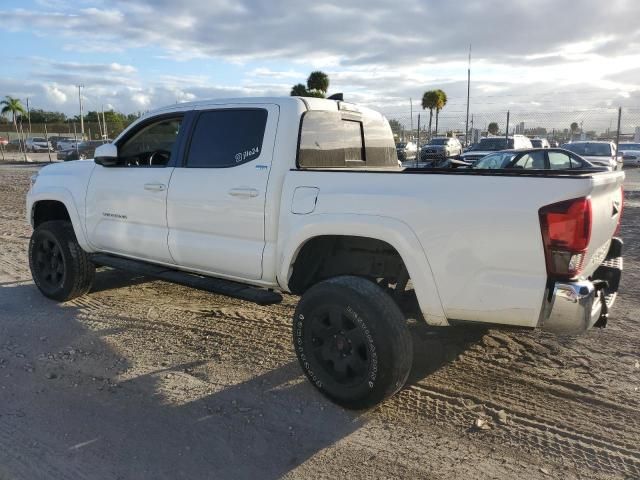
[(215, 207), (126, 204)]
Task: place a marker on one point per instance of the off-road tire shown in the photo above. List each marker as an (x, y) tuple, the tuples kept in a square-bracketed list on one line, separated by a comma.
[(352, 341), (60, 268)]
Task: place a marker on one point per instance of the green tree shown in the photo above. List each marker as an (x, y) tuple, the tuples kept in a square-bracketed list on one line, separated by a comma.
[(318, 82), (299, 90), (442, 101), (430, 101), (493, 128), (13, 105), (43, 116), (396, 126)]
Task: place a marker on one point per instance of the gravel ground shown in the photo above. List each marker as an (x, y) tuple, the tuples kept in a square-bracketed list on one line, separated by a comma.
[(145, 379)]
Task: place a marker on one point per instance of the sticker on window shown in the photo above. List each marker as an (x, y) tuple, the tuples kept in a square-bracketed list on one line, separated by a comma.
[(242, 156)]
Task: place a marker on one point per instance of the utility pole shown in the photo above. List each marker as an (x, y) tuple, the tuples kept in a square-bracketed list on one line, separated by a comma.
[(29, 116), (80, 87), (104, 125), (618, 132), (418, 144), (507, 131), (466, 125), (411, 107)]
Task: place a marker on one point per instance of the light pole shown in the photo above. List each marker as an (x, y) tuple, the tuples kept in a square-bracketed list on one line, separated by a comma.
[(466, 125), (80, 87)]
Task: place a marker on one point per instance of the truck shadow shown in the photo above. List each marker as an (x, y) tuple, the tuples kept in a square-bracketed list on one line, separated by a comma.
[(128, 417), (436, 347)]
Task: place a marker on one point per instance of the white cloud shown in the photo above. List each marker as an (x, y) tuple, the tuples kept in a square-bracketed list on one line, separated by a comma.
[(375, 51), (56, 95)]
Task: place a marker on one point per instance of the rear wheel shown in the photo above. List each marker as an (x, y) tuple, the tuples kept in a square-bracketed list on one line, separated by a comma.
[(59, 266), (352, 341)]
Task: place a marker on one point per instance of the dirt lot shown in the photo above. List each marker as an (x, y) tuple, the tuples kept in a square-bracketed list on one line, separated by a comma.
[(144, 379)]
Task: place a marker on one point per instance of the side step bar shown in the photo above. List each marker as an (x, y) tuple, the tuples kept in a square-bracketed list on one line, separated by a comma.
[(229, 288)]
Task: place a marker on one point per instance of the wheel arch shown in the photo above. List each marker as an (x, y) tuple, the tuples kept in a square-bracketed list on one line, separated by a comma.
[(313, 230), (57, 205)]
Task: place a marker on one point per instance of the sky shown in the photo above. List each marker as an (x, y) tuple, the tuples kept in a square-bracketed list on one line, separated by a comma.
[(136, 55)]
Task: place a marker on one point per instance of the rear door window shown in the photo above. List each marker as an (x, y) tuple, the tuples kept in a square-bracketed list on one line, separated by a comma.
[(227, 137), (559, 161), (533, 161)]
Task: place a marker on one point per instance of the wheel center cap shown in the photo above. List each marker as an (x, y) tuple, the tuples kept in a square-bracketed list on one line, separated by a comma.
[(342, 343)]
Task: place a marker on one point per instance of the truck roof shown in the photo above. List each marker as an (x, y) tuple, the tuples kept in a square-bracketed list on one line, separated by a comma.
[(310, 103)]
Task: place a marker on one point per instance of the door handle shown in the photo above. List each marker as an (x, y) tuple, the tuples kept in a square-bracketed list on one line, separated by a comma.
[(243, 192), (155, 187)]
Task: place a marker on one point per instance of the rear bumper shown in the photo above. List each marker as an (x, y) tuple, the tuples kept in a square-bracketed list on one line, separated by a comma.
[(571, 308)]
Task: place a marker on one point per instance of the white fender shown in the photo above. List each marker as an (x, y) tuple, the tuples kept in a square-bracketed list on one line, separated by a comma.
[(395, 232)]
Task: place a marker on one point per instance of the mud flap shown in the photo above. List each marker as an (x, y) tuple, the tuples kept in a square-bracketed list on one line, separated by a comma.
[(607, 280)]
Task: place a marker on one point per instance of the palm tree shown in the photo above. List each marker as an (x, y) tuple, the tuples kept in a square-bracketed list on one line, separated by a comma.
[(430, 101), (318, 82), (442, 101), (299, 90), (574, 129), (493, 128), (14, 106)]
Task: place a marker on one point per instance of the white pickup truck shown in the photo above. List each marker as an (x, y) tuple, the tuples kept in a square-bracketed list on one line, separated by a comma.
[(251, 197)]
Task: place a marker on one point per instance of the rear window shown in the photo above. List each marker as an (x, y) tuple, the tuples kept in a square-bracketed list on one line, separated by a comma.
[(341, 139), (590, 149), (494, 143)]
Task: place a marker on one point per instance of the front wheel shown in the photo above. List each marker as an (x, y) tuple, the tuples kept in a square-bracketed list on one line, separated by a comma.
[(59, 266), (352, 341)]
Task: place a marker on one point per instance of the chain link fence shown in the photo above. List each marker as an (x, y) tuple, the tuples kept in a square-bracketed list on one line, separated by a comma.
[(556, 126), (14, 139)]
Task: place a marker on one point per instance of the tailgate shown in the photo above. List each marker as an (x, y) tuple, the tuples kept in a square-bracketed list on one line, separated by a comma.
[(606, 207)]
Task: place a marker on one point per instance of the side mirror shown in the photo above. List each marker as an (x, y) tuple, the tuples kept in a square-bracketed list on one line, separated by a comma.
[(106, 155)]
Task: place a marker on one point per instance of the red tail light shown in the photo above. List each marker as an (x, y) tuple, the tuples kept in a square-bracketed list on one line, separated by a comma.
[(566, 231)]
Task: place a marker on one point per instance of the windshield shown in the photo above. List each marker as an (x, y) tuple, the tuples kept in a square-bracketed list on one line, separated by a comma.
[(590, 149), (438, 141), (401, 145), (536, 143), (493, 144), (38, 139), (630, 146), (495, 160)]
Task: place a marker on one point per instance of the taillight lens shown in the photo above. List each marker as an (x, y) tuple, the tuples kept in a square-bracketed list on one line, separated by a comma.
[(566, 231)]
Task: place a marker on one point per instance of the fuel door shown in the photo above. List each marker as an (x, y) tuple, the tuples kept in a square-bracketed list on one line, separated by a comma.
[(304, 200)]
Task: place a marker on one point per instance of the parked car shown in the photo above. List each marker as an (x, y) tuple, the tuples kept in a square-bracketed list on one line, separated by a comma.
[(630, 154), (67, 143), (84, 150), (38, 144), (283, 194), (601, 153), (489, 145), (439, 148), (14, 144), (540, 143), (406, 151), (534, 159), (4, 141)]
